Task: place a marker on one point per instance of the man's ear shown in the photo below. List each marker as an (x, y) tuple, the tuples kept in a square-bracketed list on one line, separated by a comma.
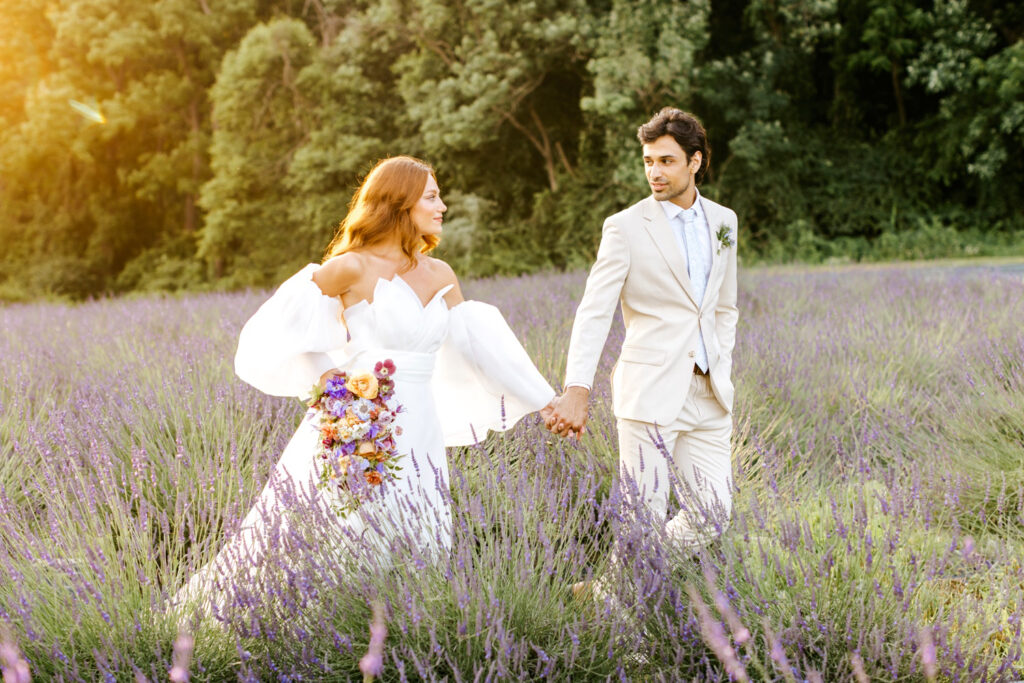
[(696, 160)]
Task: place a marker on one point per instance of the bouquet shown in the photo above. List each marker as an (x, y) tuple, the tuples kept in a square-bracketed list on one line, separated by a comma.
[(355, 413)]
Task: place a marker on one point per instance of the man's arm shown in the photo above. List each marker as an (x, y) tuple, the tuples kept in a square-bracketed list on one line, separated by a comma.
[(726, 313), (590, 330)]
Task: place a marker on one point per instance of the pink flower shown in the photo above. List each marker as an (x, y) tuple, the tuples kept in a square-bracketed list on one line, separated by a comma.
[(182, 658), (372, 662), (384, 368), (926, 649), (12, 665)]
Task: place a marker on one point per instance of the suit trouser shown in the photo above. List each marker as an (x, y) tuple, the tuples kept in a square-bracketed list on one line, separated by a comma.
[(697, 447)]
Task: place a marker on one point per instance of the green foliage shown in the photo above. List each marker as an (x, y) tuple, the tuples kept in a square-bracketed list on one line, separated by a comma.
[(241, 128), (890, 37), (260, 120), (981, 115), (89, 194), (643, 56)]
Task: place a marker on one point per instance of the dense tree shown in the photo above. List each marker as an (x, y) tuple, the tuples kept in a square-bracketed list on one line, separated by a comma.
[(479, 67), (90, 194), (644, 55), (186, 143), (890, 37), (260, 119), (298, 118), (980, 118)]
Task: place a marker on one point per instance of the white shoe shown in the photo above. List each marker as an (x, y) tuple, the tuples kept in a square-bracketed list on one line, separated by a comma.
[(598, 590)]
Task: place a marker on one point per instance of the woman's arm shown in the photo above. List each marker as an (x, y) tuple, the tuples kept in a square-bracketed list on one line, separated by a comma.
[(337, 276)]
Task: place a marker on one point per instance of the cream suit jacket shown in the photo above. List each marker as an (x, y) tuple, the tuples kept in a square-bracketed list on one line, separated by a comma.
[(639, 264)]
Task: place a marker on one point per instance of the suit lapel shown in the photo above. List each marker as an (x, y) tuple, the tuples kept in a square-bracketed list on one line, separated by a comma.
[(661, 232), (711, 214)]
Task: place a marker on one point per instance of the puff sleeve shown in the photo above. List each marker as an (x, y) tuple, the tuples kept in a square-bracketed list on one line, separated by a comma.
[(483, 377), (282, 350)]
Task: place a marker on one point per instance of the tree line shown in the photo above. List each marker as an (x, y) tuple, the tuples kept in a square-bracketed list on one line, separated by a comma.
[(184, 144)]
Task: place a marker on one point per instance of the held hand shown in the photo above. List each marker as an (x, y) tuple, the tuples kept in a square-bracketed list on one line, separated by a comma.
[(569, 414), (545, 412)]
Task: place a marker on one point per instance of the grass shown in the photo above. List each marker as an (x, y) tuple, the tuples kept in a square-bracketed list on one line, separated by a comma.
[(876, 534)]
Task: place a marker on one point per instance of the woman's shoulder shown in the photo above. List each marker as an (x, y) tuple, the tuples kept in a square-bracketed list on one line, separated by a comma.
[(443, 275), (440, 271), (338, 273)]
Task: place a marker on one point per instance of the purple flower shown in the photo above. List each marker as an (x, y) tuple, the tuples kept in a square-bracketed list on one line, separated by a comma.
[(335, 386)]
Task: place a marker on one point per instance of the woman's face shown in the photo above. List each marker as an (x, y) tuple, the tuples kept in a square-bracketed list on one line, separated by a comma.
[(429, 210)]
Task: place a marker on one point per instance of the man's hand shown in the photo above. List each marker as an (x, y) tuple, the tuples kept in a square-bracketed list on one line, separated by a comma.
[(568, 416)]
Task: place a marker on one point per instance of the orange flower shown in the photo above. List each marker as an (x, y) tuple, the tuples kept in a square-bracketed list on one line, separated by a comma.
[(363, 385), (366, 448), (373, 477)]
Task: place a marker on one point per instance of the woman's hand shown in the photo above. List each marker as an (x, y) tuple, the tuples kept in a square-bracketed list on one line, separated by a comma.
[(333, 372), (568, 414)]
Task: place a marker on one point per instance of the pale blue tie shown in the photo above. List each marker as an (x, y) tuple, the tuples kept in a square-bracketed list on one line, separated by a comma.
[(698, 268)]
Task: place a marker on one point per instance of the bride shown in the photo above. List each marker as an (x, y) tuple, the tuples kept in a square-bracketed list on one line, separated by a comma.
[(377, 296)]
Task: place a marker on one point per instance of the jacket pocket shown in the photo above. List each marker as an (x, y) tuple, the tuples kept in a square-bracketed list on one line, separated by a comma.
[(641, 354)]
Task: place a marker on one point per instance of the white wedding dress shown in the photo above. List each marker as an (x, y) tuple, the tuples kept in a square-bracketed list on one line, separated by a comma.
[(459, 373)]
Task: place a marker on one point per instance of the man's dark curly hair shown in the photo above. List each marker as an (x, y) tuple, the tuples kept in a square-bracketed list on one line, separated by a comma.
[(685, 128)]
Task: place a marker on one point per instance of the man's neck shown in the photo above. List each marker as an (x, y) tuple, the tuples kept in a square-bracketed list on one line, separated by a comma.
[(686, 199)]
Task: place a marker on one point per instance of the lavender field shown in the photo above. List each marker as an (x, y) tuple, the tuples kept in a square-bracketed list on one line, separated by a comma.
[(877, 534)]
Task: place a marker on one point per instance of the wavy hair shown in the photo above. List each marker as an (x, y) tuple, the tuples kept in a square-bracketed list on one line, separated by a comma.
[(380, 209), (687, 131)]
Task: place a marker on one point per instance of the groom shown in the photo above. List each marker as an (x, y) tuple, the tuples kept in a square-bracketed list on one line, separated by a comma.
[(670, 262)]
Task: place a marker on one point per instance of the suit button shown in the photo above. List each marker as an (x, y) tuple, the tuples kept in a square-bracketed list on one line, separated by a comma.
[(693, 354)]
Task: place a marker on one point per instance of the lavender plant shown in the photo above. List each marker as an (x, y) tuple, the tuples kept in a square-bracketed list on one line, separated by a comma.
[(875, 536)]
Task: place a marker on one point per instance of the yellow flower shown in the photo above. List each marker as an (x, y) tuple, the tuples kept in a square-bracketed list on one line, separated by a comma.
[(363, 385), (342, 467), (366, 448)]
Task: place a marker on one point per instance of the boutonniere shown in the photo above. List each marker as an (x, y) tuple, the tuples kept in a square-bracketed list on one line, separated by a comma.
[(724, 238)]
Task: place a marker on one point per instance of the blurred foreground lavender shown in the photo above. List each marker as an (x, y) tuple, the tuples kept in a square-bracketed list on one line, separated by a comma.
[(879, 452)]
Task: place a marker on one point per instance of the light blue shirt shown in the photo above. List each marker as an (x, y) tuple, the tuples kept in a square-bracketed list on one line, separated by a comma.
[(690, 227)]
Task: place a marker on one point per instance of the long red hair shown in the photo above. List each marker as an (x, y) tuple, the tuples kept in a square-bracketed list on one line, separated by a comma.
[(380, 209)]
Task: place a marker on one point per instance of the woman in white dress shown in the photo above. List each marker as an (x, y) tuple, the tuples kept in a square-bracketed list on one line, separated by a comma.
[(460, 372)]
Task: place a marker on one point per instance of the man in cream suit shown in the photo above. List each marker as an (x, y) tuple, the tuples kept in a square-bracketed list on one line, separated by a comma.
[(670, 262)]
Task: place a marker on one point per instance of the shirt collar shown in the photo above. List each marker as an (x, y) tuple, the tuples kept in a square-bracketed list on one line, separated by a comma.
[(672, 209)]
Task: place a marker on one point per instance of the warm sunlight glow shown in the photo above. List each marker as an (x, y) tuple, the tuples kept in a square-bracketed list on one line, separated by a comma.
[(88, 112)]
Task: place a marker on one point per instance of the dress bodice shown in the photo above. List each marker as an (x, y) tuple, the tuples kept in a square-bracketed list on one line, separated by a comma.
[(397, 319), (480, 376)]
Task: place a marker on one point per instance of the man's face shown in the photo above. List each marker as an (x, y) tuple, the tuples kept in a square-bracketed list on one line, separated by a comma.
[(669, 173)]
